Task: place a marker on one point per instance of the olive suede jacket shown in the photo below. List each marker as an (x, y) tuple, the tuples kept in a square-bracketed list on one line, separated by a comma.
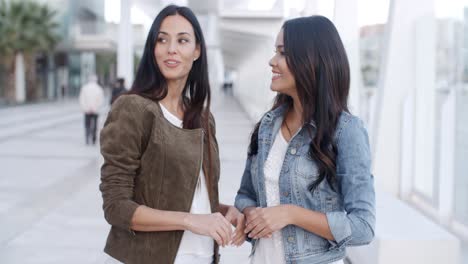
[(148, 161)]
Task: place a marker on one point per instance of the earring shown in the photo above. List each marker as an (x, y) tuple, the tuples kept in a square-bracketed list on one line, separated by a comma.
[(194, 59)]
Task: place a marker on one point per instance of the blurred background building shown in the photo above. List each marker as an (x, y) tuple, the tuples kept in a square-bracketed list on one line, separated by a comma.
[(409, 65)]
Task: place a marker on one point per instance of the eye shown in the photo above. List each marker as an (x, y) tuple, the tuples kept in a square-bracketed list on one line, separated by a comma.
[(183, 41), (280, 52), (162, 40)]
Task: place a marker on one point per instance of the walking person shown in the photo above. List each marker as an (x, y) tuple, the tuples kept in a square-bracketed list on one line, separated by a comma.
[(307, 190), (159, 180), (118, 89), (91, 99)]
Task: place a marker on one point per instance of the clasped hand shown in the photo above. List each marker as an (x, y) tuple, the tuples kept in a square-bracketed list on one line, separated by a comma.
[(262, 222), (218, 226)]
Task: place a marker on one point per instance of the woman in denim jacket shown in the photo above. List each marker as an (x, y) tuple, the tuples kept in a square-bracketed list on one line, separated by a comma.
[(307, 189)]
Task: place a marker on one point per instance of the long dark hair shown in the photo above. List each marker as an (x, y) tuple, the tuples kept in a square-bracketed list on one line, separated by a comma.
[(196, 96), (317, 59)]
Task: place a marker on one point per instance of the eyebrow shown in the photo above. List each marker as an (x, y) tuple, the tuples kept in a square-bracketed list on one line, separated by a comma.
[(178, 34), (280, 46)]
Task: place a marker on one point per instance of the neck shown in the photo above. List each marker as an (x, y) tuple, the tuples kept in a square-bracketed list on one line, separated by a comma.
[(173, 99), (295, 113)]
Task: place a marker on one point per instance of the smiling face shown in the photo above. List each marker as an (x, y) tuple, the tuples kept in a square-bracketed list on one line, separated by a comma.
[(176, 48), (282, 80)]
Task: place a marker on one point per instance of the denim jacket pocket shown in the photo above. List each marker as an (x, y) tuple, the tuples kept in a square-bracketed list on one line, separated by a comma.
[(331, 204), (306, 168)]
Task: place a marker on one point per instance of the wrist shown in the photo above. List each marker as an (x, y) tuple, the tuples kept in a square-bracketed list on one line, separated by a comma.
[(290, 213), (247, 210), (187, 221)]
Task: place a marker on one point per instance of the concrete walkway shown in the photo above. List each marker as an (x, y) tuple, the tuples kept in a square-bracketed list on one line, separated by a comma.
[(50, 205)]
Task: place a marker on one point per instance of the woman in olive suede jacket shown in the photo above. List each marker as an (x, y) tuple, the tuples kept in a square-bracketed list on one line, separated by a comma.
[(159, 180)]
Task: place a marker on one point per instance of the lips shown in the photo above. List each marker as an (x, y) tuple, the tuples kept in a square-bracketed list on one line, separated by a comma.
[(171, 63), (276, 76)]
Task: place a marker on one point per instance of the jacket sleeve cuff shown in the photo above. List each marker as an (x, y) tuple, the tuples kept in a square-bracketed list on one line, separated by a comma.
[(243, 203), (121, 214), (339, 227)]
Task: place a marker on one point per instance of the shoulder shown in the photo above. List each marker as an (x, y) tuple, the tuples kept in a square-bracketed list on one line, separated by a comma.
[(131, 101), (349, 127)]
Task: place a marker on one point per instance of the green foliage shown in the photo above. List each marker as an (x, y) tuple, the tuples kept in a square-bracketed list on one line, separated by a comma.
[(26, 26)]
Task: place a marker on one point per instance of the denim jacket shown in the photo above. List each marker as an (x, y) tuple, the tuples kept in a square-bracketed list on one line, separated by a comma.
[(350, 210)]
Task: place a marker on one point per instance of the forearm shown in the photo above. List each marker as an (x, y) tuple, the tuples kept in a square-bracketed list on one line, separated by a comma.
[(312, 221), (147, 219)]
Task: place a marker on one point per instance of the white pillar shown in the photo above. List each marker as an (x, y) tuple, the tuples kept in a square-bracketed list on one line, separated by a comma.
[(215, 56), (20, 78), (408, 64), (447, 158), (346, 21), (125, 44)]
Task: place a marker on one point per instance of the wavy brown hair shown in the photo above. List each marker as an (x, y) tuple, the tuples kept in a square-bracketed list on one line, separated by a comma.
[(317, 59)]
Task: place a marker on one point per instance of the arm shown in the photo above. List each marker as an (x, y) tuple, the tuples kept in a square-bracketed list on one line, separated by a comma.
[(123, 139), (356, 225), (246, 196)]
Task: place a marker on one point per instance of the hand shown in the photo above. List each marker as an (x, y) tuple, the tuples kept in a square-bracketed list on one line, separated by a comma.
[(237, 219), (262, 222), (212, 225)]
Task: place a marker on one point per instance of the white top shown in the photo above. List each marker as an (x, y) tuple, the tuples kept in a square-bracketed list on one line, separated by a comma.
[(194, 249), (270, 250), (91, 97)]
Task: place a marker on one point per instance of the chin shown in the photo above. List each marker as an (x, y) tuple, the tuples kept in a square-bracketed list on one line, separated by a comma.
[(275, 89)]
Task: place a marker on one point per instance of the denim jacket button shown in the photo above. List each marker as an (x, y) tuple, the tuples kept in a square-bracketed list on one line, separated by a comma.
[(285, 194), (293, 151), (291, 239)]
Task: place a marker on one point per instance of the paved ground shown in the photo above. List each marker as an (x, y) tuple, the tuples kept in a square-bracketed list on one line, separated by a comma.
[(50, 206)]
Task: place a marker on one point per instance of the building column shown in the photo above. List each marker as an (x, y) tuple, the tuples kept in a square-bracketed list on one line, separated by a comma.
[(20, 78), (125, 44)]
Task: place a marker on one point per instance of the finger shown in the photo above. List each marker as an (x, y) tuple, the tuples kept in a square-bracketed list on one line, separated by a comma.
[(237, 235), (224, 237), (229, 217), (227, 228), (250, 226), (220, 234), (254, 233), (217, 238), (239, 239), (263, 234), (240, 221)]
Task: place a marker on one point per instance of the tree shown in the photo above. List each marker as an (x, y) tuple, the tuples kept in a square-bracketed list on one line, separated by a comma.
[(26, 27)]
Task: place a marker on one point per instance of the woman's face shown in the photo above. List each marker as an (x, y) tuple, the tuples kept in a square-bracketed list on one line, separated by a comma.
[(176, 48), (282, 80)]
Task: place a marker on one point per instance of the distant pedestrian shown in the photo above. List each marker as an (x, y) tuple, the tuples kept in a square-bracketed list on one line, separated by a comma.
[(118, 89), (91, 99)]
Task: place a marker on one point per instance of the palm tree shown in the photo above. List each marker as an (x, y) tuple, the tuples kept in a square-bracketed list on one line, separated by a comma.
[(26, 27)]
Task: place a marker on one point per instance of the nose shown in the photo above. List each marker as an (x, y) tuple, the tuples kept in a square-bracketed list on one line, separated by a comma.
[(272, 61), (172, 49)]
